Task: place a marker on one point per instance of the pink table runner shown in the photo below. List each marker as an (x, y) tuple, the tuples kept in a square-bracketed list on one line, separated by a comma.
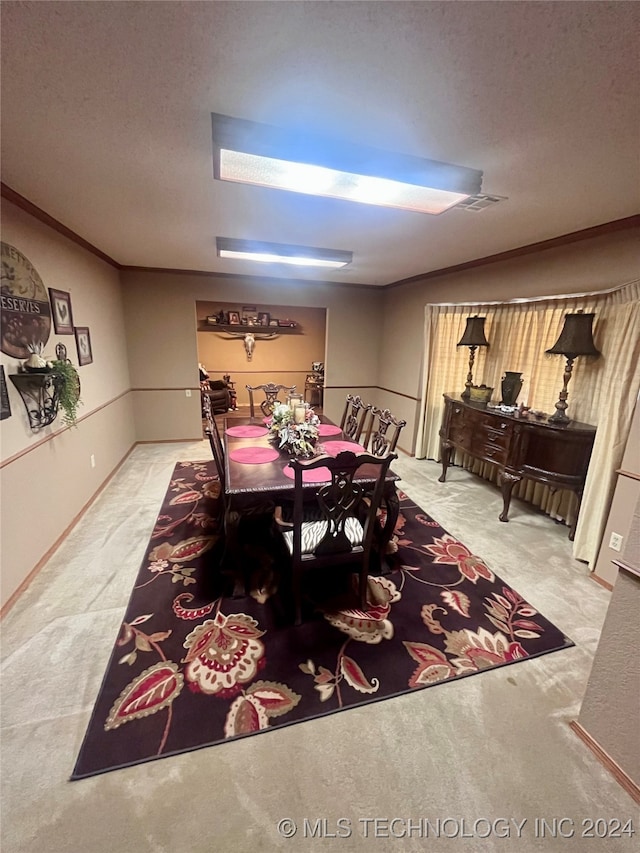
[(329, 429), (253, 455), (247, 431)]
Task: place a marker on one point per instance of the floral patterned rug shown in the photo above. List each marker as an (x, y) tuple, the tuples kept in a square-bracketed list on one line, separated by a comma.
[(193, 667)]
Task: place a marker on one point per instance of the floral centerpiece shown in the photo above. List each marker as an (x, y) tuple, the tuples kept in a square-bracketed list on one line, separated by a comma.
[(298, 439)]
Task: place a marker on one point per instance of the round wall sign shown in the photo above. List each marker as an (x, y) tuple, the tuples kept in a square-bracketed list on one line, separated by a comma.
[(26, 312)]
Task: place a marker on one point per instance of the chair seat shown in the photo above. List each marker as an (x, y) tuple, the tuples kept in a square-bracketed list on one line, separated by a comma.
[(313, 532)]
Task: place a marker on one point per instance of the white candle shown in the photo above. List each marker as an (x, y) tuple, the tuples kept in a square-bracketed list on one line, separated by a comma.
[(299, 414)]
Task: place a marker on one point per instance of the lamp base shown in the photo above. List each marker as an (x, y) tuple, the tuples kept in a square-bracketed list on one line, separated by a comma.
[(559, 418)]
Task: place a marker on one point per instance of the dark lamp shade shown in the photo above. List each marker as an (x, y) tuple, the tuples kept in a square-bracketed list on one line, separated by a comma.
[(576, 337), (474, 333)]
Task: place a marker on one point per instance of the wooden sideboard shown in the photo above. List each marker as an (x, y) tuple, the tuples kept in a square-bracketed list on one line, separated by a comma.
[(555, 455)]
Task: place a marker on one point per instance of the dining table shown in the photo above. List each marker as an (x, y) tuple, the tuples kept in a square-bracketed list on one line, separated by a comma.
[(258, 475)]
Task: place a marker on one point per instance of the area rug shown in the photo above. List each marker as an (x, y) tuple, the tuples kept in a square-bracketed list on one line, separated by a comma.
[(193, 667)]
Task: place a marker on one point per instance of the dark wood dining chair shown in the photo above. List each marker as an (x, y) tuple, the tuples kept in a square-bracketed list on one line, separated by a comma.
[(354, 417), (271, 393), (344, 534), (217, 447), (381, 436), (251, 525)]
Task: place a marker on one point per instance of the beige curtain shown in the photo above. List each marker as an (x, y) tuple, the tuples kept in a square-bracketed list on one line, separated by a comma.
[(602, 391)]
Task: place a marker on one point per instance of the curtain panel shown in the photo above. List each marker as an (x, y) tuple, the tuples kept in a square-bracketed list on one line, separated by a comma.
[(602, 391)]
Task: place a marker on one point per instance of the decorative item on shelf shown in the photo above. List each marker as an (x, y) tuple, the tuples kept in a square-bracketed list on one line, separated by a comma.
[(44, 392), (480, 394), (295, 430), (288, 323), (473, 338), (36, 363), (576, 338), (510, 386)]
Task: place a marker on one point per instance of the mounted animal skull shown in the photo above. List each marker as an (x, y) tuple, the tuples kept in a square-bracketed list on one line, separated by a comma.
[(249, 339), (249, 345)]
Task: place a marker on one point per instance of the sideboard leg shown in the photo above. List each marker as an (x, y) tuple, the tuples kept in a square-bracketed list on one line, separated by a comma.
[(445, 453), (507, 481)]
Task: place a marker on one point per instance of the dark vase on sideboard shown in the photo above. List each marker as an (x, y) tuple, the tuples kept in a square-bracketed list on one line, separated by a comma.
[(511, 386)]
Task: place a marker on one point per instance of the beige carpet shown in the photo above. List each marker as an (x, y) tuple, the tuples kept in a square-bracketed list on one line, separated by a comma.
[(475, 751)]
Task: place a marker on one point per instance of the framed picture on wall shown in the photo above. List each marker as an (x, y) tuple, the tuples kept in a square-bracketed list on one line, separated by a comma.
[(61, 310), (5, 405), (234, 318), (263, 319), (83, 343)]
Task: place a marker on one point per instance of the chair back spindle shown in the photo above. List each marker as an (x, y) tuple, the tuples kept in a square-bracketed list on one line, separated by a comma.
[(271, 393), (383, 432), (354, 417)]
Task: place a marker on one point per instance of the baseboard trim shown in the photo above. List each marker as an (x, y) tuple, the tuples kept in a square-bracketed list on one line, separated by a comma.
[(608, 763), (601, 581), (48, 554)]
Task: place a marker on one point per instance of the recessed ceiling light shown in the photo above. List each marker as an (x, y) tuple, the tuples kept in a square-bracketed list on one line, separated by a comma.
[(252, 153), (282, 253)]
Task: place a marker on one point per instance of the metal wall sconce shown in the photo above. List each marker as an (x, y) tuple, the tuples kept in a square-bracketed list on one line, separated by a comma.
[(40, 395), (576, 338), (473, 338)]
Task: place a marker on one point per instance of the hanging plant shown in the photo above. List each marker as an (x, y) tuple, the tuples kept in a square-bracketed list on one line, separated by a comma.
[(68, 384)]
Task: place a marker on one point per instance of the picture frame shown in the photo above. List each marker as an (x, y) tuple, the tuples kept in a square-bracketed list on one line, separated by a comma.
[(5, 405), (61, 311), (83, 345), (264, 318), (274, 321), (234, 318)]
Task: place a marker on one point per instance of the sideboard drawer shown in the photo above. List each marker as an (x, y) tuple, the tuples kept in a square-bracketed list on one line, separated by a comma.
[(490, 452), (460, 437), (495, 436)]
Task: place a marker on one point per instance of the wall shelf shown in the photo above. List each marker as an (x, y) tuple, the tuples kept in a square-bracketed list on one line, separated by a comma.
[(40, 395), (241, 329)]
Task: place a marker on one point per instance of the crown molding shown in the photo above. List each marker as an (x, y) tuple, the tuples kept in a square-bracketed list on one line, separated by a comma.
[(564, 239), (530, 248), (24, 204)]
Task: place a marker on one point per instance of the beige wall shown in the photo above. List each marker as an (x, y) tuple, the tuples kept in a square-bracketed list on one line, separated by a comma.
[(52, 480), (162, 336), (144, 332), (284, 359), (625, 500), (588, 265), (609, 711)]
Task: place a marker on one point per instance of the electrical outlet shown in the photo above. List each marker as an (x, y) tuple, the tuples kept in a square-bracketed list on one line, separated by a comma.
[(615, 542), (92, 459), (187, 392)]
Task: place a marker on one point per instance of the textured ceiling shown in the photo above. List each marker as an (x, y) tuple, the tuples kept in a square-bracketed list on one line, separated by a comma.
[(106, 121)]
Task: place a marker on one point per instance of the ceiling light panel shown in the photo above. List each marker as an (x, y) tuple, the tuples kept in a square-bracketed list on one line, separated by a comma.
[(282, 253), (252, 153)]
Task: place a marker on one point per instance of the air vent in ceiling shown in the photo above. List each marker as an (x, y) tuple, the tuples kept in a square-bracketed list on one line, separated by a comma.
[(479, 202)]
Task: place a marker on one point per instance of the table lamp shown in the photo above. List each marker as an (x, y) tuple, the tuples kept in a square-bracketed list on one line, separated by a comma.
[(576, 338), (473, 338)]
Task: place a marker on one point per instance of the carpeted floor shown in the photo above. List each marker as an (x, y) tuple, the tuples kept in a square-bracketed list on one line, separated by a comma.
[(488, 747), (192, 667)]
